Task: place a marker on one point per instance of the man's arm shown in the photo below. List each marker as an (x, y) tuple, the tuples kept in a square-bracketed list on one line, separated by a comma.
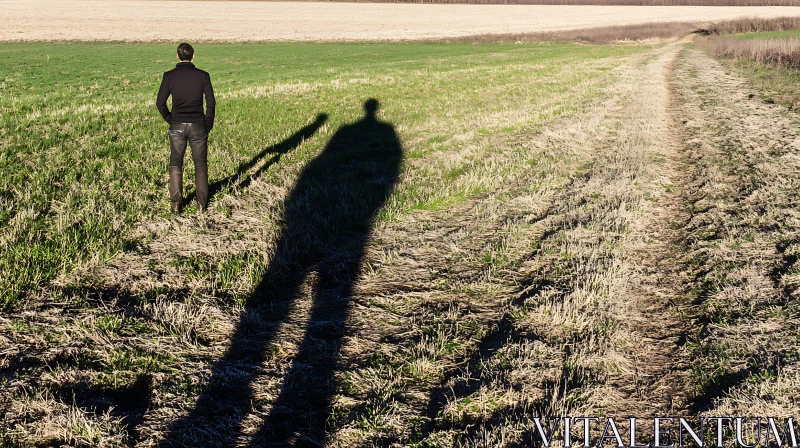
[(211, 103), (161, 100)]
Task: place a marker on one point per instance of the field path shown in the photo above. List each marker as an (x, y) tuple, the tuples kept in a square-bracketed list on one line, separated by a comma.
[(657, 382), (617, 224), (740, 240)]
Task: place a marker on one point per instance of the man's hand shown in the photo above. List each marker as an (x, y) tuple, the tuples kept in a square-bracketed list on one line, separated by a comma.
[(161, 100), (211, 103)]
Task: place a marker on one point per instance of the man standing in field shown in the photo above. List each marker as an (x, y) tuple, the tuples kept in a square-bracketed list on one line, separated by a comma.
[(187, 122)]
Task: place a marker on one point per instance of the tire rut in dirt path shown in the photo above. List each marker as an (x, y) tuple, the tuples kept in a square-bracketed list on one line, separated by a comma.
[(741, 240), (590, 321), (657, 383), (619, 224)]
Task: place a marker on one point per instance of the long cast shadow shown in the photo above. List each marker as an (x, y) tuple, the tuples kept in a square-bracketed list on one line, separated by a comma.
[(328, 217), (277, 150)]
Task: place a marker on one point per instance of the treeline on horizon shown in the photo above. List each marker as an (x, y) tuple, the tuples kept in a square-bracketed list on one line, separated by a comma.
[(602, 2)]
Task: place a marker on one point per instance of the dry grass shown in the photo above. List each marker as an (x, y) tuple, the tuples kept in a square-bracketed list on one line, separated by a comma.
[(95, 20), (596, 249), (740, 242), (767, 53), (467, 316), (642, 32), (754, 25), (55, 422), (139, 337), (639, 33), (629, 33), (545, 274), (784, 51)]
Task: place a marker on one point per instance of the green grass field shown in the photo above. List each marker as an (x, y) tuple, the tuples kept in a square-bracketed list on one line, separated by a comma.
[(83, 152), (142, 305), (521, 230), (769, 35), (776, 84)]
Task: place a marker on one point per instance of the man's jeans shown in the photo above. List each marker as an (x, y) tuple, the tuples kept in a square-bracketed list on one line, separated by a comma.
[(197, 137)]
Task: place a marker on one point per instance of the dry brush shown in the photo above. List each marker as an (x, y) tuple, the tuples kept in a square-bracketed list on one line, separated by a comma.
[(763, 51)]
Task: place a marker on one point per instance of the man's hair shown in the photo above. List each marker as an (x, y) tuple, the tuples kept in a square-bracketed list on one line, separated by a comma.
[(185, 52)]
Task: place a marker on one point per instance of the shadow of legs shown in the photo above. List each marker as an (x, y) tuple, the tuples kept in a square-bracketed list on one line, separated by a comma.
[(327, 219), (277, 149), (301, 410), (227, 398)]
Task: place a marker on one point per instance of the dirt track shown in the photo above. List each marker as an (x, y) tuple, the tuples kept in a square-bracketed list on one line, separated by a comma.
[(135, 20)]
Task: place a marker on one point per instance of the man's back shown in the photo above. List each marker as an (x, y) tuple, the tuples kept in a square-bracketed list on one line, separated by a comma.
[(187, 84), (188, 123)]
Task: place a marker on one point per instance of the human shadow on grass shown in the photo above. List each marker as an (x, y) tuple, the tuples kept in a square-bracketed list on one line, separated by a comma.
[(328, 218), (127, 403), (241, 180)]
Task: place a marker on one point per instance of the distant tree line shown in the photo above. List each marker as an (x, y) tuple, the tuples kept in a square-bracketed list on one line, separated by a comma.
[(605, 2)]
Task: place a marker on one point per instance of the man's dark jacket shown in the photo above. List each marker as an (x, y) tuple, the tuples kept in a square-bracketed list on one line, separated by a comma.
[(187, 84)]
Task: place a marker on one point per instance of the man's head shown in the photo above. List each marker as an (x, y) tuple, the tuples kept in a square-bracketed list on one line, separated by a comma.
[(185, 52)]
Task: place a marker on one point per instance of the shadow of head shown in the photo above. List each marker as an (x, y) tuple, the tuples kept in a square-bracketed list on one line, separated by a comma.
[(321, 119), (371, 108), (356, 170)]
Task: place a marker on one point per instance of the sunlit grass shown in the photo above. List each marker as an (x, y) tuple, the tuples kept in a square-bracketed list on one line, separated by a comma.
[(83, 155)]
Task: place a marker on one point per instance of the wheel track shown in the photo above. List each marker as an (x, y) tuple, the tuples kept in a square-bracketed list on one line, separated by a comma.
[(620, 210), (740, 240)]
